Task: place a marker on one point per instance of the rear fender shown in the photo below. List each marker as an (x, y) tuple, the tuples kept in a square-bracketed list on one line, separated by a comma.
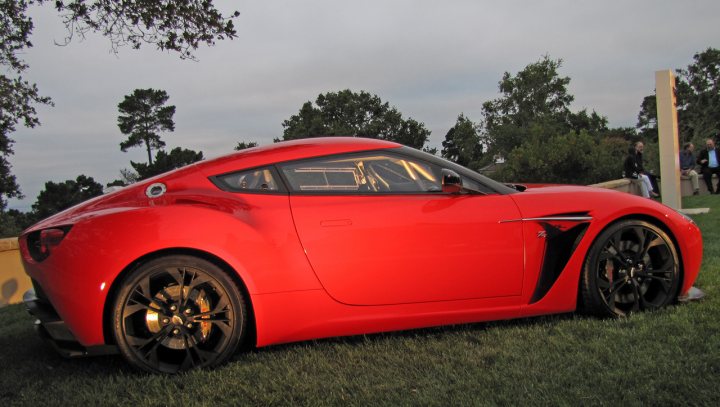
[(261, 248)]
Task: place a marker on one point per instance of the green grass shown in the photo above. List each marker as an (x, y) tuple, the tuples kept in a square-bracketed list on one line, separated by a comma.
[(668, 357)]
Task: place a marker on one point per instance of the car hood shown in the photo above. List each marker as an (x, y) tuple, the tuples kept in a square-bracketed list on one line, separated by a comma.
[(564, 200)]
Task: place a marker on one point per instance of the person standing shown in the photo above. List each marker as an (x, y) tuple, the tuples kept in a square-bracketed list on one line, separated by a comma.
[(709, 161), (687, 166)]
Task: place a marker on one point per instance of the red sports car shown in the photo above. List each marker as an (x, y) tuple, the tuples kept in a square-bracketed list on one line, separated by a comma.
[(337, 236)]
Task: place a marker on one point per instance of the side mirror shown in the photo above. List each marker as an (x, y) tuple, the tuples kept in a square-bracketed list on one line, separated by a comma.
[(517, 187), (451, 182)]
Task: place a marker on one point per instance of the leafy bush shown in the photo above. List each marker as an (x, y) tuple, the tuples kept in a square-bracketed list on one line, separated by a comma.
[(571, 158)]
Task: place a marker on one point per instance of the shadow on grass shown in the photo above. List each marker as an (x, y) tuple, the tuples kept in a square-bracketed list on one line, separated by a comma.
[(24, 352), (418, 333), (27, 355)]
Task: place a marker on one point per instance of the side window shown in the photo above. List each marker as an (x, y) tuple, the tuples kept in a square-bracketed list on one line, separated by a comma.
[(255, 180), (372, 173)]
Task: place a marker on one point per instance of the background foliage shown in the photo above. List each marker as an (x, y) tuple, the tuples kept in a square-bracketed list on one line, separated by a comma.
[(164, 162), (462, 143), (530, 129), (62, 195), (179, 26), (698, 100), (143, 115), (347, 113)]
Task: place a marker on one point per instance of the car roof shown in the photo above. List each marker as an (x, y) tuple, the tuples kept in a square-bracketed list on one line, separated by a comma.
[(291, 150)]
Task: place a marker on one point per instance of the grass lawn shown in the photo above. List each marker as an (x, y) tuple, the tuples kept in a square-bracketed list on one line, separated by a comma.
[(668, 357)]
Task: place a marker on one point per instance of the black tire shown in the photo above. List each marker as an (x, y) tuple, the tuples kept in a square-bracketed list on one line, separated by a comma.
[(631, 266), (178, 313)]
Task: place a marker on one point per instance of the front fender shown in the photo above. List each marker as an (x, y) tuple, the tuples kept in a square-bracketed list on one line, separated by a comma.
[(604, 207)]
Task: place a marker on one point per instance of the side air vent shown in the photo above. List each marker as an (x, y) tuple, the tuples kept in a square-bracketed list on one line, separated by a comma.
[(560, 245)]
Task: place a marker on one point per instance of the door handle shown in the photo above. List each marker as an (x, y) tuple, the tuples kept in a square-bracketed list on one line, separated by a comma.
[(335, 223)]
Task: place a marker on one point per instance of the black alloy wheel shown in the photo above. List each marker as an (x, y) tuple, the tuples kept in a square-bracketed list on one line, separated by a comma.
[(178, 313), (632, 266)]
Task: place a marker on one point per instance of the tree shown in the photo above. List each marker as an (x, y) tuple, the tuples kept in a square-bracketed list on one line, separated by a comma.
[(647, 118), (462, 143), (8, 184), (18, 97), (179, 26), (698, 101), (346, 113), (242, 145), (127, 177), (698, 96), (143, 116), (60, 196), (593, 123), (537, 94), (532, 126), (164, 162), (171, 25)]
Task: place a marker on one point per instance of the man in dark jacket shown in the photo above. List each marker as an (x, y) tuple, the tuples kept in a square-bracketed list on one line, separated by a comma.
[(709, 161), (633, 168)]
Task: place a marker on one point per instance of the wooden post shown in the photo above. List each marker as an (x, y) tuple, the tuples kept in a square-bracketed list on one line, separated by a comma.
[(668, 139)]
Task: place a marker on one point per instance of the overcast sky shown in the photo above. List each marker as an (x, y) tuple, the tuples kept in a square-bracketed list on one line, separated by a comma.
[(430, 59)]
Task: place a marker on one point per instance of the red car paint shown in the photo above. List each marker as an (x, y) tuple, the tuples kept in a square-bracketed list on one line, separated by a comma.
[(319, 265)]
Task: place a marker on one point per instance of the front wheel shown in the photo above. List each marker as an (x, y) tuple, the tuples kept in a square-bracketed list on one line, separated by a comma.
[(631, 266), (178, 313)]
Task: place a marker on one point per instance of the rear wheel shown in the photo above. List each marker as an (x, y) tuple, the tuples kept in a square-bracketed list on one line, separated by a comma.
[(631, 266), (178, 313)]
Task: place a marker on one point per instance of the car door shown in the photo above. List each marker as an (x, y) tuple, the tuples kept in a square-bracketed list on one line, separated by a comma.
[(377, 229)]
